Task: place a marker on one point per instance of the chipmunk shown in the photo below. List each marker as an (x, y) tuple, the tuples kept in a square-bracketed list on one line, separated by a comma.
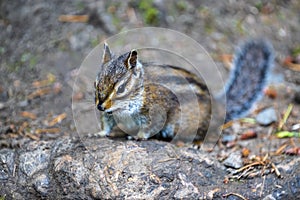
[(131, 99)]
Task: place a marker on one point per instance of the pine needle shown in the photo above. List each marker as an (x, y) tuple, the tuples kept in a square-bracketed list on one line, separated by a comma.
[(285, 116), (287, 134)]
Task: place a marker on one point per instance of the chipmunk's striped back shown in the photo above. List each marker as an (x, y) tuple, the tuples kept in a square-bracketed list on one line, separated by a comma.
[(192, 95)]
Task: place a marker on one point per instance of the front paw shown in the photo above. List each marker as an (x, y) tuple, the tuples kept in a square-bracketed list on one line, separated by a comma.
[(141, 136), (102, 133)]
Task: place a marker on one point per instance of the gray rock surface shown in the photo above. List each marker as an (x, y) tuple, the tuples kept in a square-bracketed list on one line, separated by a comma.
[(109, 169)]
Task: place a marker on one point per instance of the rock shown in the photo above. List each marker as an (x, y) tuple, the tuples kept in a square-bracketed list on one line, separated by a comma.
[(234, 160), (253, 10), (34, 161), (23, 104), (102, 168), (42, 184), (267, 116), (2, 106), (269, 197), (6, 163)]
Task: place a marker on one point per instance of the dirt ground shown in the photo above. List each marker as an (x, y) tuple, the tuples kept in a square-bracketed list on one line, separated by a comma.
[(41, 52)]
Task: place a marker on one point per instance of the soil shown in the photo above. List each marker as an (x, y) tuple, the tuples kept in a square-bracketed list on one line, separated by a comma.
[(41, 55)]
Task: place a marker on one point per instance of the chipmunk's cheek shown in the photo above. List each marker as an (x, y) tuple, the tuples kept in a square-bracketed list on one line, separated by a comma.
[(107, 104)]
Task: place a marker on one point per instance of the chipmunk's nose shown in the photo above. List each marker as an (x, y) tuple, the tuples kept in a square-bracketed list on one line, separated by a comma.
[(100, 107), (99, 104)]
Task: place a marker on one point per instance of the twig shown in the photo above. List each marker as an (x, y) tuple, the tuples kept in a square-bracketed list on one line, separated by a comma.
[(227, 125), (50, 80), (263, 185), (235, 194), (31, 136), (247, 166), (39, 92), (57, 119), (280, 149), (29, 115), (277, 172), (289, 64), (47, 130)]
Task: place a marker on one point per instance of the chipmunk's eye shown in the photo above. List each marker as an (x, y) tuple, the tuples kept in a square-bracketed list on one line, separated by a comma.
[(121, 88)]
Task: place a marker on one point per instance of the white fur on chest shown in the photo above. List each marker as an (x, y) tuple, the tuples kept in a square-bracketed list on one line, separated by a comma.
[(127, 121)]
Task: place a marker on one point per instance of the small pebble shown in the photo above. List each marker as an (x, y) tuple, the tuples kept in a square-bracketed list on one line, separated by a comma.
[(23, 104), (228, 138), (253, 10), (295, 127), (267, 116), (282, 33), (250, 19), (234, 160)]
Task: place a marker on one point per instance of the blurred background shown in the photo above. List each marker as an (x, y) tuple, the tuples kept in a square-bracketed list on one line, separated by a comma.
[(43, 43)]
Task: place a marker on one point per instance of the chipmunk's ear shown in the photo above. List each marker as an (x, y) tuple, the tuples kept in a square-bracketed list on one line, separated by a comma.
[(106, 54), (131, 60)]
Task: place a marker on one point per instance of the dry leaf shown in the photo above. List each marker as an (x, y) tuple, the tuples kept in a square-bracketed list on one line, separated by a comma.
[(29, 115), (270, 92), (245, 152), (73, 18), (31, 136), (280, 149), (48, 130), (57, 119), (78, 96), (227, 60), (288, 62), (50, 79), (293, 151), (39, 93), (248, 135)]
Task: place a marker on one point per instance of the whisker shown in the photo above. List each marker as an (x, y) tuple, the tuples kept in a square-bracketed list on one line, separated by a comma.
[(87, 101), (87, 109)]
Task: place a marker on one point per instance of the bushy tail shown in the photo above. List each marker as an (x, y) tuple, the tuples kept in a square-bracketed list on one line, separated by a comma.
[(248, 77)]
